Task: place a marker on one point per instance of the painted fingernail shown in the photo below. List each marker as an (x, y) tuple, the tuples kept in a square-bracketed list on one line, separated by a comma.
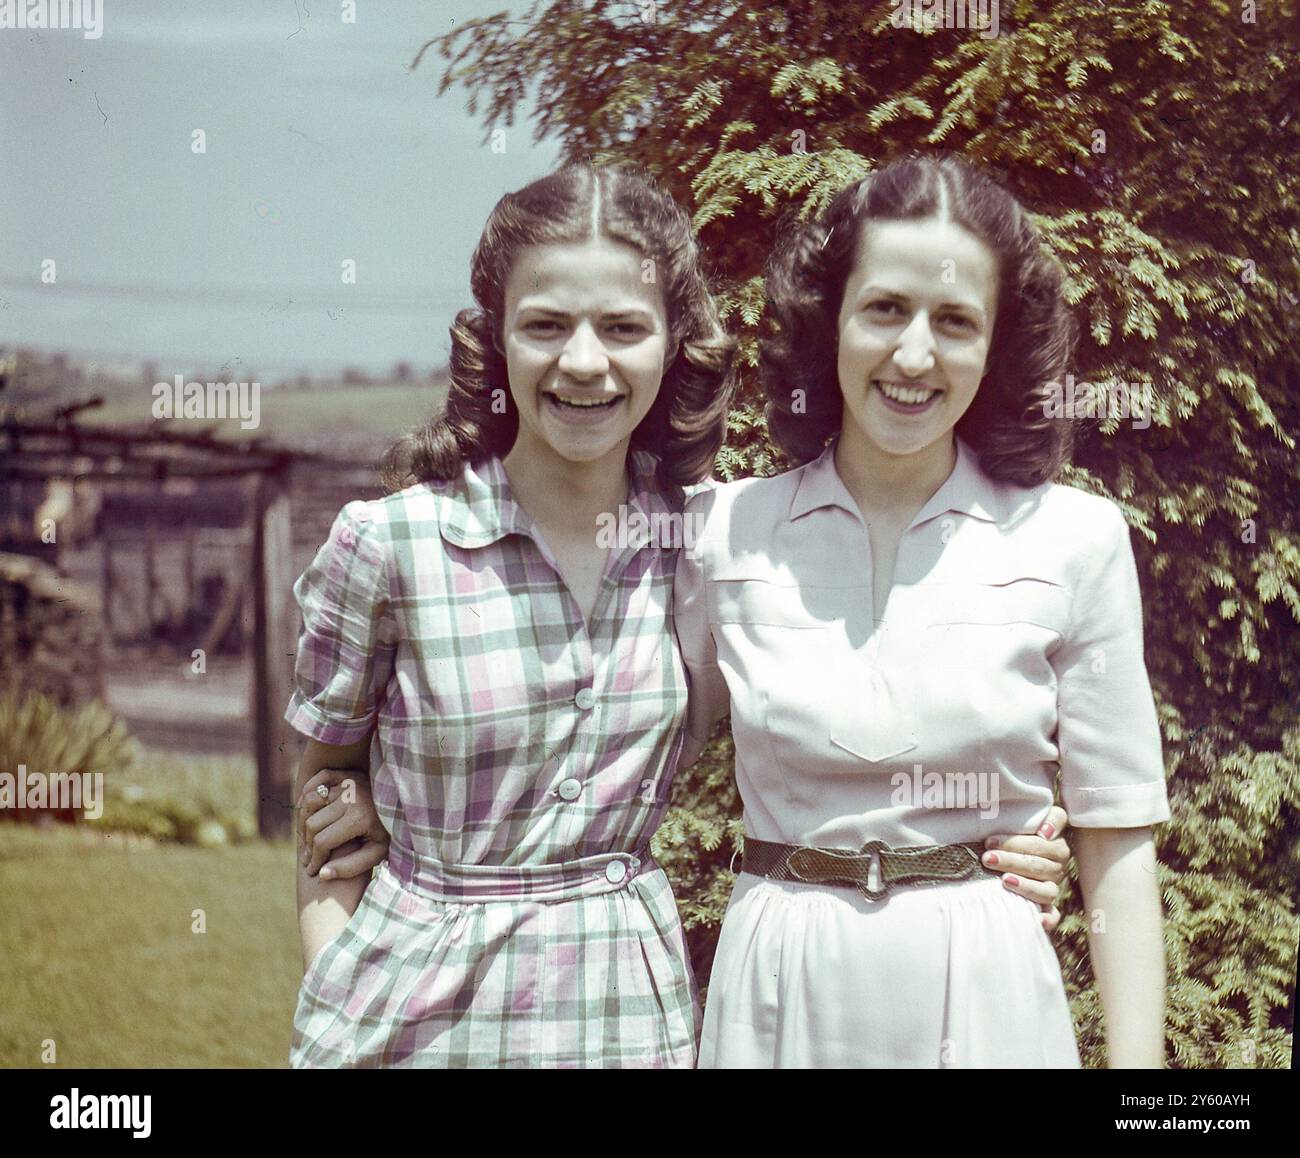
[(990, 858), (993, 842), (327, 873), (1046, 831), (1010, 881)]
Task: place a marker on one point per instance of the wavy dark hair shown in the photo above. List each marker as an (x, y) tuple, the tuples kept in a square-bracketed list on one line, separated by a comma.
[(685, 426), (1033, 334)]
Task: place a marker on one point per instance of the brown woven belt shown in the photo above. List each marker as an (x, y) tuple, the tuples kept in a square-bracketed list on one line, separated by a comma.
[(920, 864)]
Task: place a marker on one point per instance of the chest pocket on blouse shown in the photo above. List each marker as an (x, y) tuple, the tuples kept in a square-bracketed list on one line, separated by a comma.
[(825, 689), (1000, 599), (984, 646), (759, 601), (995, 626)]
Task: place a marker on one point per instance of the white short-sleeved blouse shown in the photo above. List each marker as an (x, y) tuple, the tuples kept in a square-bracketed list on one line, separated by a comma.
[(1011, 645)]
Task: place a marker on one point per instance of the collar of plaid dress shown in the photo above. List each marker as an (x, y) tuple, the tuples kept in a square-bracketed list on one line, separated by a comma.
[(968, 490), (479, 508)]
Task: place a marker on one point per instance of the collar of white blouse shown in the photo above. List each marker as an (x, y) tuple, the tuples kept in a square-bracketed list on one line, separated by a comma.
[(967, 490)]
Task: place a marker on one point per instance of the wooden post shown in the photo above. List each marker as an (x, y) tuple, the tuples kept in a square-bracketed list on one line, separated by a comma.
[(275, 639), (150, 575), (191, 591), (106, 585)]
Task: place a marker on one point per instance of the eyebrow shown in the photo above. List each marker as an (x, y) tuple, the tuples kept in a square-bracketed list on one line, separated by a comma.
[(638, 312), (894, 295)]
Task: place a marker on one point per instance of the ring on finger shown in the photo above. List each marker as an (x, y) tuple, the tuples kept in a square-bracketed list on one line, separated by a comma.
[(322, 792)]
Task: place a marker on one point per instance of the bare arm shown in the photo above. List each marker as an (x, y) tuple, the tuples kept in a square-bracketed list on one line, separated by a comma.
[(1117, 871), (325, 907)]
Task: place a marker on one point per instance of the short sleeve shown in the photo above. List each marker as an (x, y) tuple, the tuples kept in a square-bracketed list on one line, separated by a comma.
[(1112, 769), (349, 636), (710, 698)]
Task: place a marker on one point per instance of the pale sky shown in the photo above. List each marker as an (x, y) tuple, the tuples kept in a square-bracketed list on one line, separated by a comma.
[(321, 146)]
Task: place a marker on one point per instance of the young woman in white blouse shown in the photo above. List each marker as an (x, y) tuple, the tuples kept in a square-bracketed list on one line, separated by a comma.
[(914, 631)]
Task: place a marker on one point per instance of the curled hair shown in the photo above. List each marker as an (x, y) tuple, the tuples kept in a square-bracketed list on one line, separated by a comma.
[(1008, 423), (685, 425)]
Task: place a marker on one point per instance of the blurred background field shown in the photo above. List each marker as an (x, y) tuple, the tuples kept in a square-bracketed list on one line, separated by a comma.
[(97, 933), (371, 413), (160, 933)]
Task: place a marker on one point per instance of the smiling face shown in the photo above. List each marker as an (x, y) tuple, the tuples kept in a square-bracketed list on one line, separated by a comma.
[(915, 327), (585, 340)]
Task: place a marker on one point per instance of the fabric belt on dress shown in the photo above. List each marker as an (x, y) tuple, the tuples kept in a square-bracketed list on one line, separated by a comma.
[(913, 865), (479, 883)]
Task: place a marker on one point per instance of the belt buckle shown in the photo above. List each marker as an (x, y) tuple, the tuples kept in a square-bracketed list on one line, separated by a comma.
[(876, 847), (976, 863), (819, 874)]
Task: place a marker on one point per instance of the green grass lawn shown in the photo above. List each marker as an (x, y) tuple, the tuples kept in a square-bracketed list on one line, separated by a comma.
[(100, 956)]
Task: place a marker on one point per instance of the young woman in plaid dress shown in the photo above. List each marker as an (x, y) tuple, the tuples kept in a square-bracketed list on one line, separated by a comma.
[(511, 686), (508, 682)]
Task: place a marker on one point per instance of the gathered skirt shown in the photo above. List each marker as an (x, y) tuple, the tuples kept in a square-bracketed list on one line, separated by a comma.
[(599, 978), (958, 975)]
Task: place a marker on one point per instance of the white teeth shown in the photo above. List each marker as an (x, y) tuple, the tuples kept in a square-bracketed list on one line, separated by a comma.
[(584, 402), (905, 394)]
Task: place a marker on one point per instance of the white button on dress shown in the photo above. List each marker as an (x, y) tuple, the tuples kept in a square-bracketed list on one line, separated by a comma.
[(570, 789), (585, 699)]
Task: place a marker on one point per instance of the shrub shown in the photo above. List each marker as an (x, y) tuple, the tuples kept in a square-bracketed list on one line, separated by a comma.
[(162, 795)]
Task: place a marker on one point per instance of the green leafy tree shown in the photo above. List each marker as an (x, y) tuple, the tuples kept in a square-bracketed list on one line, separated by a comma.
[(1154, 144)]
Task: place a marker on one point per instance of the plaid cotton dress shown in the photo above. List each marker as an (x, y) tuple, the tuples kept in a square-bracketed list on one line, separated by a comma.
[(520, 761)]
